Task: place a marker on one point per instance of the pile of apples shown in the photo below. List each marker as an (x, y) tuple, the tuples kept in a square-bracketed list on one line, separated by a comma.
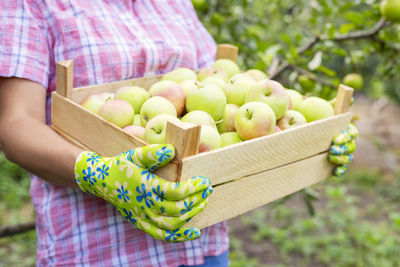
[(230, 105)]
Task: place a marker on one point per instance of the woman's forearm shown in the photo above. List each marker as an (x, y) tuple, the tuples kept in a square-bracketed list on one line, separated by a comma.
[(38, 149), (26, 139)]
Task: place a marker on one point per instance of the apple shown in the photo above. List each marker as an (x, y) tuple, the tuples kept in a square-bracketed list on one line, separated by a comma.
[(199, 117), (254, 119), (117, 111), (228, 122), (171, 91), (212, 72), (295, 98), (221, 83), (154, 106), (135, 130), (227, 65), (209, 98), (230, 138), (188, 85), (154, 132), (256, 75), (306, 83), (271, 93), (291, 119), (95, 101), (209, 139), (315, 108), (236, 91), (134, 95), (353, 80), (180, 75), (238, 76), (390, 9), (136, 120), (277, 129)]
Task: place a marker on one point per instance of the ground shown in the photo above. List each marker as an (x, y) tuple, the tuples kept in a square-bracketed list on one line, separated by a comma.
[(356, 219)]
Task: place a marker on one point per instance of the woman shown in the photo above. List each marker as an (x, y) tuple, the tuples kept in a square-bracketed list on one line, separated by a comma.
[(108, 41)]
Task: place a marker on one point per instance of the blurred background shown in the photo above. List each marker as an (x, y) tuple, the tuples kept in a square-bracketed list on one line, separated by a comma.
[(308, 45)]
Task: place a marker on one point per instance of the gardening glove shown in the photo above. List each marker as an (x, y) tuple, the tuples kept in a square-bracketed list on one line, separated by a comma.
[(343, 145), (158, 207)]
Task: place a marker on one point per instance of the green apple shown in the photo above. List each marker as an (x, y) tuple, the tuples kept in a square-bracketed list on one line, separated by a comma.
[(171, 91), (238, 76), (199, 117), (291, 119), (154, 132), (315, 108), (209, 139), (256, 75), (188, 85), (227, 65), (230, 138), (218, 81), (254, 119), (135, 130), (180, 75), (295, 99), (209, 98), (236, 91), (306, 83), (134, 95), (228, 122), (390, 9), (136, 120), (154, 106), (117, 111), (212, 71), (95, 101), (272, 93), (353, 80)]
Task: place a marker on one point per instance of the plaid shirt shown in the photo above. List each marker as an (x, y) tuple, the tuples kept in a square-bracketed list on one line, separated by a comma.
[(108, 41)]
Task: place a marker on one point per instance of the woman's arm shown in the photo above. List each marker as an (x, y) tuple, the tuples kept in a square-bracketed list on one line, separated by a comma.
[(25, 137)]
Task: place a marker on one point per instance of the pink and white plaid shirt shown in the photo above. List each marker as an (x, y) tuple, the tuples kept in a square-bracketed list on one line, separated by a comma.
[(108, 41)]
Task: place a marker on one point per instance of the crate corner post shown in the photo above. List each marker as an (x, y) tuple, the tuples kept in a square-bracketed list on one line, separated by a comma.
[(343, 99), (65, 78), (227, 51)]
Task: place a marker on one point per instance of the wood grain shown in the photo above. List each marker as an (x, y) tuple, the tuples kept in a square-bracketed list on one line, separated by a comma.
[(90, 129), (266, 152), (65, 78), (343, 99), (227, 51), (237, 197)]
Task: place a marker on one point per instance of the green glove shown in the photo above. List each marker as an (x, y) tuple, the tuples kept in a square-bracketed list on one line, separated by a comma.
[(343, 145), (158, 207)]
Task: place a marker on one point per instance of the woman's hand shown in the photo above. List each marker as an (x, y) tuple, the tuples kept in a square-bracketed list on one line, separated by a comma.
[(343, 145), (148, 202)]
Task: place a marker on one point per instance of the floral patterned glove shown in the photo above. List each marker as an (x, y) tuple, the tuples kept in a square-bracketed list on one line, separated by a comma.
[(158, 207), (343, 145)]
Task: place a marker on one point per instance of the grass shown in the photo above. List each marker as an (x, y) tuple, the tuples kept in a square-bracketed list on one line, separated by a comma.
[(356, 222)]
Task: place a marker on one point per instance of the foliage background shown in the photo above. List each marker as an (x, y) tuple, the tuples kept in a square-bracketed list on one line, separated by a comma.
[(356, 219)]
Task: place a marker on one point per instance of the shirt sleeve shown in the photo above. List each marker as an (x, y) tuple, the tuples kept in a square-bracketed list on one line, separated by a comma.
[(24, 47)]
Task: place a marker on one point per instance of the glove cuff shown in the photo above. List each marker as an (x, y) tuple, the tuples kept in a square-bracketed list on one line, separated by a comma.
[(84, 170)]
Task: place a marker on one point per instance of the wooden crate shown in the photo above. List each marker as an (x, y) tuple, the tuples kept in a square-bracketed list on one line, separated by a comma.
[(245, 176)]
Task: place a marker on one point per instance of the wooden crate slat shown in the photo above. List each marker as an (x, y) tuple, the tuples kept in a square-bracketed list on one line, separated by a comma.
[(237, 197), (249, 157), (89, 129)]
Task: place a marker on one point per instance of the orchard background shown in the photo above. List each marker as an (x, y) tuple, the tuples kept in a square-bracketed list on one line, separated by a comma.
[(308, 45)]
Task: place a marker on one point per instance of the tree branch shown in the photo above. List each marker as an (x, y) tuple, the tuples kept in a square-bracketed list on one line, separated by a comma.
[(16, 229), (339, 38)]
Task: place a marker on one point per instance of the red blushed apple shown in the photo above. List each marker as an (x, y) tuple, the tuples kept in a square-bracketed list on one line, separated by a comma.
[(291, 119), (209, 139), (277, 129), (171, 91), (254, 119), (117, 111), (135, 130), (95, 101)]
